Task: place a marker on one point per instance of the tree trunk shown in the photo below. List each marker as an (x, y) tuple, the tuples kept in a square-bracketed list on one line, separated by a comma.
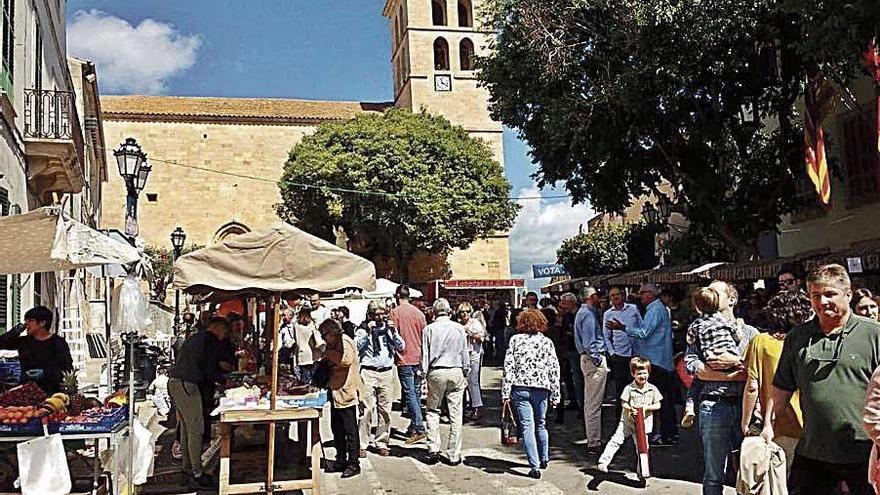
[(402, 260)]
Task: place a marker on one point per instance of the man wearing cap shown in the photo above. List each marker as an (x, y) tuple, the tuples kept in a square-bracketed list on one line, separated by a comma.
[(589, 340), (653, 340)]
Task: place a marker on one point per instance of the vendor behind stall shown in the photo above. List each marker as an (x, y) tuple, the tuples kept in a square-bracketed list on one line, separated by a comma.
[(44, 356), (197, 363)]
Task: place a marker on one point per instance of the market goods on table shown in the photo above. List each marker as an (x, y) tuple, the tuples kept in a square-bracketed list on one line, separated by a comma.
[(22, 409)]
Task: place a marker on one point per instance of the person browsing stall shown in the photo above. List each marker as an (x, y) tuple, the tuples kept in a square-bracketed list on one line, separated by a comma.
[(197, 363), (44, 355), (377, 340)]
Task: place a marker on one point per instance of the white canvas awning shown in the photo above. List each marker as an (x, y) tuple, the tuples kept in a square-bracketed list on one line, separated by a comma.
[(386, 288), (46, 240), (278, 259)]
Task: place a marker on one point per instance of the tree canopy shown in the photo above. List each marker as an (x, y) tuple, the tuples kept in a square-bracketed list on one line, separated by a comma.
[(611, 249), (398, 183), (618, 96)]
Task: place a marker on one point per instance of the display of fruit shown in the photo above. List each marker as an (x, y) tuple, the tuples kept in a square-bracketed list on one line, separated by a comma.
[(17, 414), (29, 394), (70, 386), (56, 404), (118, 399)]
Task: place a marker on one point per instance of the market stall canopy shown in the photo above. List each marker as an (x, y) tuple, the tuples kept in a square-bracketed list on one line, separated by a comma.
[(386, 288), (280, 258), (47, 240)]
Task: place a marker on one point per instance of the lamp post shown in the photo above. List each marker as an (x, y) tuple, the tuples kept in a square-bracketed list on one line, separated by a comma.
[(178, 237), (134, 169)]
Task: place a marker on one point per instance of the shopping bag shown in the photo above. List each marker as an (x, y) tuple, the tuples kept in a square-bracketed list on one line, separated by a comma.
[(509, 429), (42, 466)]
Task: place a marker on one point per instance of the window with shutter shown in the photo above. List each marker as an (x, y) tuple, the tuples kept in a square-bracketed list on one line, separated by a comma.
[(4, 280), (7, 68), (861, 161)]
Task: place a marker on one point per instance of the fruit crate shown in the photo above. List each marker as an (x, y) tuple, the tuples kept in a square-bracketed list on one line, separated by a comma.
[(10, 370), (106, 423)]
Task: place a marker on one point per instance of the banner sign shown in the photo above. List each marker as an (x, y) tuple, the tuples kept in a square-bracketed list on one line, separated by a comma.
[(484, 284), (548, 270)]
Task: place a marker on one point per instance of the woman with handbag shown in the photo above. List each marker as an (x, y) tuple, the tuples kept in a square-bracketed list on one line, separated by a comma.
[(531, 383), (344, 381)]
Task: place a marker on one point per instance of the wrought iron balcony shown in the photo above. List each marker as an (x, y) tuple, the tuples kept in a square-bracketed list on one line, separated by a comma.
[(53, 142)]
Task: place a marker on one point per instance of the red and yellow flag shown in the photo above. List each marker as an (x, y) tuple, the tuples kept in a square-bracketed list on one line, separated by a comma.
[(819, 99), (872, 63)]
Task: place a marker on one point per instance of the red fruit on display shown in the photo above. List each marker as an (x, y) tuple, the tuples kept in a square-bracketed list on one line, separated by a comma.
[(29, 394)]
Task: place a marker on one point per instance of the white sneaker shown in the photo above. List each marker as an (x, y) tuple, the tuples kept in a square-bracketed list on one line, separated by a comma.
[(602, 467)]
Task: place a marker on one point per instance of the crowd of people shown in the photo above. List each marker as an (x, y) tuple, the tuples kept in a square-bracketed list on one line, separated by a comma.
[(789, 370)]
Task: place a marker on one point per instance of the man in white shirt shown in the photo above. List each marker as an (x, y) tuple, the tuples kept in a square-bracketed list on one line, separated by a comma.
[(446, 363), (319, 311), (619, 343)]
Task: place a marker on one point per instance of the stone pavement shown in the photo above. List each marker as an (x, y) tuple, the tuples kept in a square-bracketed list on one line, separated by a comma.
[(491, 468)]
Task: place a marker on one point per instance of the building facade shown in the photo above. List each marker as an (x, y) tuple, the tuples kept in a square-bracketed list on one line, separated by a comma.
[(216, 161), (850, 221), (51, 135)]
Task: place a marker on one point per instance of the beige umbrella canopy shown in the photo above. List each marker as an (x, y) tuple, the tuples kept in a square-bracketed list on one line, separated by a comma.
[(47, 240), (278, 259)]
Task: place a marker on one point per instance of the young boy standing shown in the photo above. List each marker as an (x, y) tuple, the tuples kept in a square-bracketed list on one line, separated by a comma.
[(637, 395)]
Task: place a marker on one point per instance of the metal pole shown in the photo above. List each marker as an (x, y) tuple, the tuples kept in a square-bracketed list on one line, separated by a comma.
[(176, 308)]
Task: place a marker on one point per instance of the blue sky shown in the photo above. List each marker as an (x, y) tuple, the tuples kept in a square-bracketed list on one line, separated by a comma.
[(314, 49)]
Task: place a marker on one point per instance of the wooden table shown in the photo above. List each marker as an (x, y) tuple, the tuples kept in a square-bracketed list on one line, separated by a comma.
[(270, 417)]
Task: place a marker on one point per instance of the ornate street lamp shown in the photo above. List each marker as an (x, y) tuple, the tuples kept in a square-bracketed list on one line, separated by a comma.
[(665, 208), (178, 237), (141, 181), (129, 158), (650, 214), (134, 169)]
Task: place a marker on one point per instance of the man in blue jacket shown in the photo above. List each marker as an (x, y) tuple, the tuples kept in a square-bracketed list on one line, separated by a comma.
[(653, 340)]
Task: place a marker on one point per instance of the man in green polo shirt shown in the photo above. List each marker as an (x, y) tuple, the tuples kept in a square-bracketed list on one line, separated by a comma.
[(830, 360)]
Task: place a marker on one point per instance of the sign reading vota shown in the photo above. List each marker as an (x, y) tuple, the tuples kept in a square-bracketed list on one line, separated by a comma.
[(546, 270)]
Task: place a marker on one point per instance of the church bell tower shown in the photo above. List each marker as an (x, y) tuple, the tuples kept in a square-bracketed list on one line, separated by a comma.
[(433, 43)]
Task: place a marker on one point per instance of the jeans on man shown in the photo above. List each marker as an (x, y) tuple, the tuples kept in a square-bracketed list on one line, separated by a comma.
[(411, 386), (811, 477), (531, 410), (720, 433), (664, 380), (594, 391), (619, 373), (577, 378)]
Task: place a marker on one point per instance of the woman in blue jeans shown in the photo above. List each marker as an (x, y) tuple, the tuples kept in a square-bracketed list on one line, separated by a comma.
[(531, 381)]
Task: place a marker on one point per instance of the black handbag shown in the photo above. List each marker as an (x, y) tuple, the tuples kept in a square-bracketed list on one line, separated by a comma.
[(509, 429), (321, 374)]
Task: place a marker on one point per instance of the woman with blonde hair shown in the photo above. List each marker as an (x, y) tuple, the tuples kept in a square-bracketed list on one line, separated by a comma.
[(476, 333), (531, 382)]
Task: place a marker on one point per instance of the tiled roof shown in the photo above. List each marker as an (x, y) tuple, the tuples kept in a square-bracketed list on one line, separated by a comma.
[(256, 110)]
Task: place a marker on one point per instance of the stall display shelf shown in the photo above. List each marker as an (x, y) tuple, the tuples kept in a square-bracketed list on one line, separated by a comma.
[(107, 423)]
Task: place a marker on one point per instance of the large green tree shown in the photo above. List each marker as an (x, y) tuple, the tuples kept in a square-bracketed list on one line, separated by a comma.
[(616, 97), (613, 248), (398, 183)]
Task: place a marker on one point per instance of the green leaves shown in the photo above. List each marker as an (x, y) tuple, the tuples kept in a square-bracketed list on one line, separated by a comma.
[(398, 182), (614, 248), (618, 96)]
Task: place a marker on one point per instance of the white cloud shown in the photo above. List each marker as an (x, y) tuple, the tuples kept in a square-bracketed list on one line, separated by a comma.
[(131, 59), (541, 227)]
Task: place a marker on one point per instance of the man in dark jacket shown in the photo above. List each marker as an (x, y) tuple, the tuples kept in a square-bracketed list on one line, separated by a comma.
[(197, 363)]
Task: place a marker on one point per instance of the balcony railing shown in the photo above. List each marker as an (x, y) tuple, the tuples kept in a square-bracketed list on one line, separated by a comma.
[(51, 115)]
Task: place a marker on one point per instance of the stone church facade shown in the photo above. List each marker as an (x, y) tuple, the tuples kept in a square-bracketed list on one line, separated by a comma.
[(216, 161)]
